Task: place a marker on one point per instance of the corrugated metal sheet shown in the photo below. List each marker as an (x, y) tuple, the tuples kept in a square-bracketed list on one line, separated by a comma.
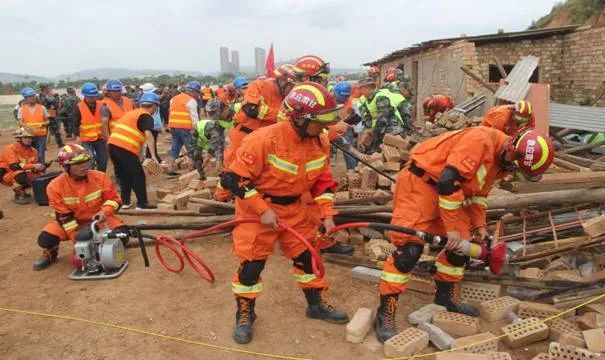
[(585, 118), (518, 80)]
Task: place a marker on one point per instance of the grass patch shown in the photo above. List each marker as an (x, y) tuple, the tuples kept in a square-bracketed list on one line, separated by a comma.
[(6, 117)]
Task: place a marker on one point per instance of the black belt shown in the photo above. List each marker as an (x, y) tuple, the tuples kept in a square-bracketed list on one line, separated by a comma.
[(282, 200), (421, 173), (244, 129)]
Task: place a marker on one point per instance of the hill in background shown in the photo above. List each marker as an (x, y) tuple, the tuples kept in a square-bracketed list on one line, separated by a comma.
[(573, 12)]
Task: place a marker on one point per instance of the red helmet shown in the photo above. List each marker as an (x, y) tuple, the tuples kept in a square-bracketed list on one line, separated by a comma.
[(22, 132), (427, 104), (534, 151), (313, 66), (374, 71), (523, 111), (289, 72), (312, 101), (73, 154)]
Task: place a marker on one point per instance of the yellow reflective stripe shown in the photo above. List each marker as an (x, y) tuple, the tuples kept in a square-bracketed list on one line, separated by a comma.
[(178, 113), (93, 196), (544, 157), (179, 121), (479, 200), (450, 270), (305, 278), (448, 204), (128, 129), (282, 165), (481, 174), (70, 225), (394, 278), (34, 123), (127, 139), (262, 111), (91, 126), (325, 196), (315, 164), (111, 203), (71, 200), (250, 193), (243, 289)]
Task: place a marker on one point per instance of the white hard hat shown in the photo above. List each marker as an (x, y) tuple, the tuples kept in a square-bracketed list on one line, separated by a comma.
[(147, 87)]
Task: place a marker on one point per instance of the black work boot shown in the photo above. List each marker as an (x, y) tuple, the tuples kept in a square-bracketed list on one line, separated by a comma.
[(320, 309), (21, 197), (244, 318), (448, 295), (48, 257), (339, 248), (384, 325)]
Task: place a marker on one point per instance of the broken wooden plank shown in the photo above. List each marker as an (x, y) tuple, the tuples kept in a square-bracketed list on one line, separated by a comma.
[(578, 160), (477, 78), (561, 197), (582, 148), (569, 165)]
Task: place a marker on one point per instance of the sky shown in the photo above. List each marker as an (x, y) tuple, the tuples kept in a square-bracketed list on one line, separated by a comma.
[(52, 37)]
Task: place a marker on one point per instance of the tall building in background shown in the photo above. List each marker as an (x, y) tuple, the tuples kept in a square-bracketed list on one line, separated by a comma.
[(259, 60), (235, 62), (225, 64)]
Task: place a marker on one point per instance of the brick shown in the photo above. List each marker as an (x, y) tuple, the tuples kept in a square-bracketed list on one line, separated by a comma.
[(212, 182), (393, 166), (359, 325), (169, 199), (437, 337), (375, 156), (476, 292), (599, 262), (488, 342), (598, 308), (595, 340), (541, 356), (342, 195), (461, 356), (355, 237), (376, 253), (424, 314), (566, 333), (202, 194), (591, 320), (532, 273), (406, 343), (354, 180), (196, 184), (161, 193), (422, 283), (496, 309), (395, 141), (541, 311), (341, 236), (362, 194), (594, 227), (378, 164), (525, 332), (404, 156), (182, 198), (165, 206), (558, 351), (383, 182), (195, 207), (369, 179), (152, 168), (186, 178), (366, 274), (498, 356), (390, 154), (456, 324)]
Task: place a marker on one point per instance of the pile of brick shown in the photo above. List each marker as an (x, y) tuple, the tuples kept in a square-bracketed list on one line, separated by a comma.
[(188, 188)]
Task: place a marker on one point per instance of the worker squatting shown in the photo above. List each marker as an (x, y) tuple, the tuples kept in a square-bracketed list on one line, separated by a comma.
[(277, 168)]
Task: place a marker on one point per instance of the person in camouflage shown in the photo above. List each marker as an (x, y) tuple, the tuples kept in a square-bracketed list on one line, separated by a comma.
[(52, 105), (68, 103)]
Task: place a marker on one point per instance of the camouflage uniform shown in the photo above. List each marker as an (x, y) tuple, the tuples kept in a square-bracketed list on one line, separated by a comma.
[(65, 113), (388, 112), (51, 103)]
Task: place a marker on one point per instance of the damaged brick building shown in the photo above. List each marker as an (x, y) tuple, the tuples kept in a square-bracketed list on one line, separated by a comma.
[(572, 61)]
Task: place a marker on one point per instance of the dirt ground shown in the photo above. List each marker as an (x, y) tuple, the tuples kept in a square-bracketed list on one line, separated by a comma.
[(155, 300)]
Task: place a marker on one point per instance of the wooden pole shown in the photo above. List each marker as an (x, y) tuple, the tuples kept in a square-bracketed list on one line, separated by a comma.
[(500, 68), (561, 197), (477, 78), (582, 148)]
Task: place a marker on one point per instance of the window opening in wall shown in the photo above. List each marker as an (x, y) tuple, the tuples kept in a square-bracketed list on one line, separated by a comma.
[(494, 74)]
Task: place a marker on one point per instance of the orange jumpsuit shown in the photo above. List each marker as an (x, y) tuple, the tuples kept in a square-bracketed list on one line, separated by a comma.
[(24, 156), (441, 104), (502, 118), (77, 202), (474, 152), (277, 163)]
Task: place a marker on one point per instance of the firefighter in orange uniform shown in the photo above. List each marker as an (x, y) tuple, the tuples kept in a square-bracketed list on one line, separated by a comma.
[(260, 108), (273, 167), (443, 191), (512, 118), (19, 165), (116, 103), (315, 68), (436, 104), (78, 196)]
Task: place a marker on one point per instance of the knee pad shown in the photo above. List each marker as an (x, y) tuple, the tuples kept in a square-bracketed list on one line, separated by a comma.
[(21, 178), (456, 259), (303, 262), (406, 256), (249, 272), (47, 240)]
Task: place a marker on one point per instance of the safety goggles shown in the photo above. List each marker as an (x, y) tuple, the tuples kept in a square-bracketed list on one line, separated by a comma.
[(521, 119), (327, 117), (80, 158)]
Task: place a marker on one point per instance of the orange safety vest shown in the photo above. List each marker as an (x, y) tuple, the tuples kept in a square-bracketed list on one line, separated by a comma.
[(116, 111), (35, 120), (91, 125), (206, 93), (126, 133), (179, 117)]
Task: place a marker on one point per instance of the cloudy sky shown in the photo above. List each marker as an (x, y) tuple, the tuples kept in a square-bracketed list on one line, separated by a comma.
[(51, 37)]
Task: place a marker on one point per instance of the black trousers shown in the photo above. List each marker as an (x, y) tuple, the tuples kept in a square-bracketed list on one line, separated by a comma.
[(130, 174)]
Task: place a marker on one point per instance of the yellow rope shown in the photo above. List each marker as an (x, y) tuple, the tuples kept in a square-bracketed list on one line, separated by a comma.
[(144, 332)]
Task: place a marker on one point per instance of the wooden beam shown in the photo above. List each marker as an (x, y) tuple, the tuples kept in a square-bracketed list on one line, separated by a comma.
[(561, 197), (477, 78), (569, 165), (582, 148), (578, 160), (500, 67)]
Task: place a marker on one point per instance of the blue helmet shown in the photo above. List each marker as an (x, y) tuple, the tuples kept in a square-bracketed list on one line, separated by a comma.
[(89, 90), (114, 85), (240, 82), (149, 98), (342, 91), (28, 92), (194, 85)]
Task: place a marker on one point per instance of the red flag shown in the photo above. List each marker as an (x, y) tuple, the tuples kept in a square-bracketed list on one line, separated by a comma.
[(270, 63)]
